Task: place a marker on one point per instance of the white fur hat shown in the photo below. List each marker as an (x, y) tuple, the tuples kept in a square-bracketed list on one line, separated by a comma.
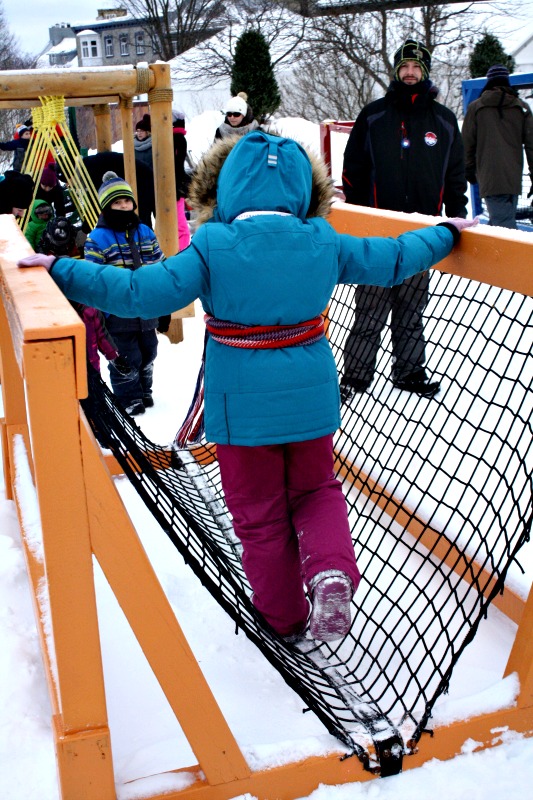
[(237, 104)]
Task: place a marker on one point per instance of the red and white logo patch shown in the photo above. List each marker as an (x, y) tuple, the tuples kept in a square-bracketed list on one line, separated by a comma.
[(430, 139)]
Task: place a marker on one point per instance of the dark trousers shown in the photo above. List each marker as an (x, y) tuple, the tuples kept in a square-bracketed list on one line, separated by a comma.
[(373, 304), (502, 210), (290, 515), (140, 350)]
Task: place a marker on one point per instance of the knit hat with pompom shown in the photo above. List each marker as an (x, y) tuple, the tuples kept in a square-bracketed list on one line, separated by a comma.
[(113, 188), (237, 104)]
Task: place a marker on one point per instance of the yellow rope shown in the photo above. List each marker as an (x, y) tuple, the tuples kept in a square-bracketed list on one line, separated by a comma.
[(52, 135)]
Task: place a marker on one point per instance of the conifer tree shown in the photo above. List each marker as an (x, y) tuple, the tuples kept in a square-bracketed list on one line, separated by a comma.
[(252, 72), (487, 52)]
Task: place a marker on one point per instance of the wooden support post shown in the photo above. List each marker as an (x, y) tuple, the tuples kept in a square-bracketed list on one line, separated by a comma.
[(53, 407), (102, 124), (160, 99), (126, 120)]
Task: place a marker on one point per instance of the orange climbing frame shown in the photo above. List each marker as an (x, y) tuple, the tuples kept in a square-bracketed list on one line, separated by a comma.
[(43, 376)]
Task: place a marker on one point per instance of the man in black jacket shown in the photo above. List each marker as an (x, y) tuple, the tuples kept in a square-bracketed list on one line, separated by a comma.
[(404, 153)]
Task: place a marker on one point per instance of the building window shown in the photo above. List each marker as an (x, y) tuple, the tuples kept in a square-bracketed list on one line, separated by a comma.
[(109, 46), (89, 48), (124, 45), (139, 43)]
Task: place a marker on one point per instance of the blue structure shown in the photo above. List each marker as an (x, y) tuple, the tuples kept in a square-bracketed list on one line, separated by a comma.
[(471, 90)]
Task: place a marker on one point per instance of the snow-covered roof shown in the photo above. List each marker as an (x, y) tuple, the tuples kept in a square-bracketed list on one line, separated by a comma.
[(66, 45), (105, 22), (43, 63)]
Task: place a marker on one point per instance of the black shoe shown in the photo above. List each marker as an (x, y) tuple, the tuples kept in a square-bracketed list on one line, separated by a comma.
[(135, 408), (418, 383), (148, 400), (352, 387)]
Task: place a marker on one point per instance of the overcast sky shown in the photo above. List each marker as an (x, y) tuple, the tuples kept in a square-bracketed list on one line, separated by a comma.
[(29, 20)]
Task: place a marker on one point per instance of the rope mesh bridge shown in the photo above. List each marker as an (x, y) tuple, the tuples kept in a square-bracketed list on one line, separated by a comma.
[(457, 468)]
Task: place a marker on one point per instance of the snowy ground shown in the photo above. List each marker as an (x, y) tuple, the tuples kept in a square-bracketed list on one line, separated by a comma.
[(264, 714)]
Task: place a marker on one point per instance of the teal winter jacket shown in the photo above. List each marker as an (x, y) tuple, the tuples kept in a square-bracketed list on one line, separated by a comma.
[(263, 258)]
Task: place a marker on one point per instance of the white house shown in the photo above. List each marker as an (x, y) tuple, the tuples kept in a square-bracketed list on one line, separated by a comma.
[(523, 52)]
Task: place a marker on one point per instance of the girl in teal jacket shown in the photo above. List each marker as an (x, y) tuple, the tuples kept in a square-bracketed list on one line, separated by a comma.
[(264, 267)]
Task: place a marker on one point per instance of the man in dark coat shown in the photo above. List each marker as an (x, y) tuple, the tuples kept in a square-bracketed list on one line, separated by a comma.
[(498, 127), (404, 153)]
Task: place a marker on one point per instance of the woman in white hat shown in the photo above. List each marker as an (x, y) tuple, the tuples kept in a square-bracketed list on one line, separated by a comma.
[(239, 118)]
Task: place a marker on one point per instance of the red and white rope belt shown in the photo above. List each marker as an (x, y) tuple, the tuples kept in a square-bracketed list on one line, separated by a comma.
[(260, 337), (253, 337)]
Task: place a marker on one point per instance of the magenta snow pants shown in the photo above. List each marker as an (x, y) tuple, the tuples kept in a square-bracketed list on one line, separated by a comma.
[(290, 515)]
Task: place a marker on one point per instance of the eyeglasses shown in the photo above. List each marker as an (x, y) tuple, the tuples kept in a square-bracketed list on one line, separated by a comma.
[(234, 114)]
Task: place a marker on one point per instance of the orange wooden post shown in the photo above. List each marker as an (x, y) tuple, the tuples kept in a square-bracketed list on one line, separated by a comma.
[(50, 366)]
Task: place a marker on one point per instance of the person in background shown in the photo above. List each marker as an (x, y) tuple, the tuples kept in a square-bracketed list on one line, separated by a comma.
[(50, 190), (497, 128), (122, 240), (239, 118), (404, 153), (41, 213), (59, 239), (16, 192), (265, 263), (142, 141), (182, 178), (19, 144)]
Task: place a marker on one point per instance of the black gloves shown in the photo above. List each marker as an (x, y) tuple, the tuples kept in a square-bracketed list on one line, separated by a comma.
[(164, 323), (121, 364)]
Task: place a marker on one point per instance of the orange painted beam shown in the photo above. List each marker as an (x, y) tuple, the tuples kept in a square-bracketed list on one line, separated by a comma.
[(130, 574), (484, 254)]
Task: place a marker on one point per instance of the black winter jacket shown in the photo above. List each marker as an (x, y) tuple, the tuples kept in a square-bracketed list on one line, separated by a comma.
[(405, 153)]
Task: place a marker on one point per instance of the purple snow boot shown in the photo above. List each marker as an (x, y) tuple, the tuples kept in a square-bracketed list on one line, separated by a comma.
[(331, 593)]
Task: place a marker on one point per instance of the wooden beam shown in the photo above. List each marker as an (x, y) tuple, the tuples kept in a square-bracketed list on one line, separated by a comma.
[(91, 82), (484, 254)]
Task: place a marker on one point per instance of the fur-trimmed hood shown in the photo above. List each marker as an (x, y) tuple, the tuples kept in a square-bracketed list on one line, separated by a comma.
[(259, 172)]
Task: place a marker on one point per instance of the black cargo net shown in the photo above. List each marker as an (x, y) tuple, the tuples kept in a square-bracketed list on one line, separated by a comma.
[(455, 471)]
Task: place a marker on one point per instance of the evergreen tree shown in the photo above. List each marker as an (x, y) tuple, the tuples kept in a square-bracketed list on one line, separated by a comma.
[(487, 52), (252, 72)]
